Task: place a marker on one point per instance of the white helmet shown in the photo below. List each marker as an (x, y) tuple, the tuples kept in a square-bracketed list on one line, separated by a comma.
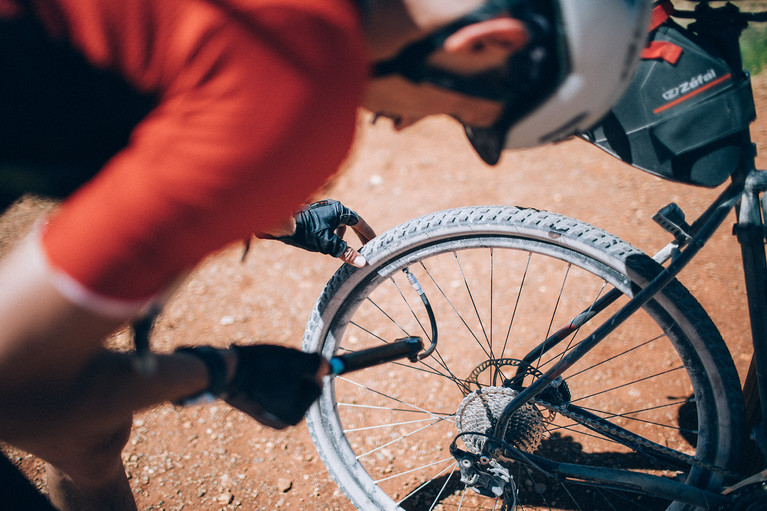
[(580, 59)]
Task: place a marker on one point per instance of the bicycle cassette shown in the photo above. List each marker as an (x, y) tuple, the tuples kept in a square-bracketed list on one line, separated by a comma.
[(479, 412)]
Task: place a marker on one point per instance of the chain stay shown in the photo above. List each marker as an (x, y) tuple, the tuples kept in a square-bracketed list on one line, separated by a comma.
[(636, 440)]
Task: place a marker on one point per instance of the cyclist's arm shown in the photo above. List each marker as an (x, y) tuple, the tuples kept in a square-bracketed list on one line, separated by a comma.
[(226, 154), (56, 377)]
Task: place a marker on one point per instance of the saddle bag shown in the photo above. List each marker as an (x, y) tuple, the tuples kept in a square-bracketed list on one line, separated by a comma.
[(685, 111)]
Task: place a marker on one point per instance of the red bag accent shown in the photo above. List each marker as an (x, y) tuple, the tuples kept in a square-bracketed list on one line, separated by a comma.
[(663, 50), (660, 13)]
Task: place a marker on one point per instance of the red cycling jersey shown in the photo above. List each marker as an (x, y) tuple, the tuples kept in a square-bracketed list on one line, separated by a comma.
[(256, 108)]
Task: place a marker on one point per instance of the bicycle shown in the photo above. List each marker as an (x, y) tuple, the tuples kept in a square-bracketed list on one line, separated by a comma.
[(504, 410)]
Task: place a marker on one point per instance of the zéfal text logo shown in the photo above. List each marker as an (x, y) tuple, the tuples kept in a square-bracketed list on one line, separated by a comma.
[(690, 85)]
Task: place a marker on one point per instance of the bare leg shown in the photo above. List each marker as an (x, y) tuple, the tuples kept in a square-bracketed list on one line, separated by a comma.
[(66, 496), (86, 473)]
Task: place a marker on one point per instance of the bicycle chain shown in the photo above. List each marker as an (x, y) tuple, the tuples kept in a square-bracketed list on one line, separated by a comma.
[(636, 439)]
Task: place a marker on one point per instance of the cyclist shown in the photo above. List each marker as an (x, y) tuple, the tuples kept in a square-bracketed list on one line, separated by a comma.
[(175, 127)]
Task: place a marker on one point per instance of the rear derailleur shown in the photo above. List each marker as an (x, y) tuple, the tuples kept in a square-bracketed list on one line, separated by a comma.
[(487, 477)]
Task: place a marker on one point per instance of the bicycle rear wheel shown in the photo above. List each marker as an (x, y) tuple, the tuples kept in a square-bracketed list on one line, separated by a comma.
[(660, 395)]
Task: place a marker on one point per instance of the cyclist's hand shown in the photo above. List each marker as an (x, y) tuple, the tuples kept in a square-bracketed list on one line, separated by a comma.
[(275, 385), (320, 228)]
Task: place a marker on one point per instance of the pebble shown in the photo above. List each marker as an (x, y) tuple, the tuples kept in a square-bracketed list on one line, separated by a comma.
[(284, 485), (225, 498)]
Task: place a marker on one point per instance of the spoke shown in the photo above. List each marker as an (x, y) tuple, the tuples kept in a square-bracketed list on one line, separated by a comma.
[(437, 355), (567, 490), (397, 440), (554, 314), (422, 467), (387, 316), (572, 328), (614, 357), (367, 332), (434, 416), (422, 366), (426, 368), (389, 424), (602, 494), (460, 316), (473, 303), (588, 315), (463, 496), (531, 476), (441, 490), (445, 372), (411, 407), (574, 427), (461, 383), (612, 389), (492, 272), (627, 416), (516, 303), (642, 410)]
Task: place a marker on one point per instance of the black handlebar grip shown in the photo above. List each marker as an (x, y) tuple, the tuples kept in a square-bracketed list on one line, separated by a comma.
[(408, 347)]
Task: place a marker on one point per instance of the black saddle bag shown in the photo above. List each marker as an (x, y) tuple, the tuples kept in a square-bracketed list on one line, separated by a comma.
[(684, 113)]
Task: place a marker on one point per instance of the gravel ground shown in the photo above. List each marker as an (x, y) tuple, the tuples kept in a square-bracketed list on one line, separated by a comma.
[(211, 457)]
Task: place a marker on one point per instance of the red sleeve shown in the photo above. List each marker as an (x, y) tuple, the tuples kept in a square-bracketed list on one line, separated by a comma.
[(257, 116)]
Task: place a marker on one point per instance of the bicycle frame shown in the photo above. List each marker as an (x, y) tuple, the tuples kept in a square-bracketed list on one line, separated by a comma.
[(756, 275), (746, 195), (750, 230)]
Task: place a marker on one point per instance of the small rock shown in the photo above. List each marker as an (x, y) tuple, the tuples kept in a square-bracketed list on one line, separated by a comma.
[(225, 498), (284, 485)]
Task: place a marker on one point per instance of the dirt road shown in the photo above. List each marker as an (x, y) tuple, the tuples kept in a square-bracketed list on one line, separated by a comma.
[(212, 458)]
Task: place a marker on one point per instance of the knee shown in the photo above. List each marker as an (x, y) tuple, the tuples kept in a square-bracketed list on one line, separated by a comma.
[(96, 461)]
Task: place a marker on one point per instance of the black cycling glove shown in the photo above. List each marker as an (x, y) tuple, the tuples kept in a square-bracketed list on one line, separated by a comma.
[(316, 227), (273, 384)]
